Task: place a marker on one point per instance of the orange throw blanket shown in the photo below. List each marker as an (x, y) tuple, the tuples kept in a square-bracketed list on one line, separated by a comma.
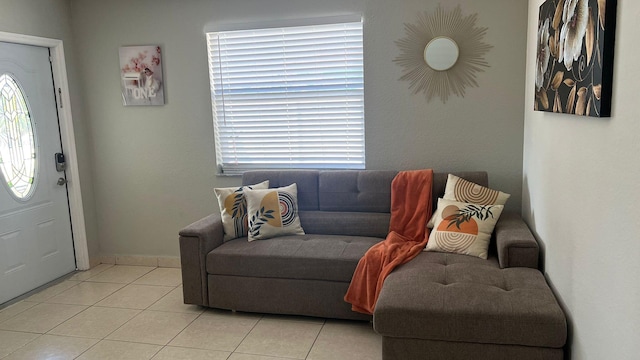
[(408, 235)]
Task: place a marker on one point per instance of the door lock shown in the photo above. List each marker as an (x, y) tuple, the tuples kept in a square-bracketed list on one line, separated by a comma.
[(62, 181), (61, 163)]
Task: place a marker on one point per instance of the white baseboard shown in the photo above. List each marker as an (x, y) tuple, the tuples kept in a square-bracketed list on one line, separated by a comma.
[(158, 261), (94, 261)]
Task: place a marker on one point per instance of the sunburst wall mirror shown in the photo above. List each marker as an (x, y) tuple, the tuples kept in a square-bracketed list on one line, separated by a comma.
[(442, 52)]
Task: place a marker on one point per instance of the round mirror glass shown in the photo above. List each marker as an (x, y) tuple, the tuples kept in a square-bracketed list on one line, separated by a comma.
[(441, 53)]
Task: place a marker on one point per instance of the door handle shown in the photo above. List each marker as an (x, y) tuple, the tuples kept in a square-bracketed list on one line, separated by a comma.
[(62, 181)]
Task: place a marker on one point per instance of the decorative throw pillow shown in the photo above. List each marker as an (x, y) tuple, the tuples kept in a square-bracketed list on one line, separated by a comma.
[(233, 209), (273, 212), (459, 189), (463, 228)]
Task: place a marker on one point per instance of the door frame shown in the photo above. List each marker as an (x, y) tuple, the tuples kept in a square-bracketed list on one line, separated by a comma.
[(74, 192)]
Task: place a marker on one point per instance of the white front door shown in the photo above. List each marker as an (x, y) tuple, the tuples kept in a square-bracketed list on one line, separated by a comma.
[(36, 244)]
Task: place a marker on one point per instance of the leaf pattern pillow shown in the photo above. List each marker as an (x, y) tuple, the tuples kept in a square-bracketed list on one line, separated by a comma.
[(459, 189), (233, 209), (273, 212), (463, 228)]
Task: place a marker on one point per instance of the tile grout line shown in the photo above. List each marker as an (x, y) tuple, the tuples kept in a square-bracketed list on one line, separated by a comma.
[(132, 283), (197, 316), (91, 276), (54, 295), (89, 348), (128, 283), (87, 307), (157, 352), (247, 334), (138, 314), (55, 327), (264, 317), (316, 339), (94, 305), (28, 342), (181, 331), (120, 341), (14, 315), (125, 323), (67, 277), (22, 332), (118, 328)]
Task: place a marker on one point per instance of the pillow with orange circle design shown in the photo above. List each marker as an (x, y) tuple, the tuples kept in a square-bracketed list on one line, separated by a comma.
[(273, 212), (459, 189), (463, 228)]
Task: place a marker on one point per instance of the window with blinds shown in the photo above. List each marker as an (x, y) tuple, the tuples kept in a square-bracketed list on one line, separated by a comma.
[(289, 97)]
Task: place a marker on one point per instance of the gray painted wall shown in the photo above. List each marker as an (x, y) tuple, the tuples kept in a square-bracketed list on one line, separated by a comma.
[(155, 166), (51, 19), (580, 188)]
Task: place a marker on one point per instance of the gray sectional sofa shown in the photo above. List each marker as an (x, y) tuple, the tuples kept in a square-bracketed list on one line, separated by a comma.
[(438, 306)]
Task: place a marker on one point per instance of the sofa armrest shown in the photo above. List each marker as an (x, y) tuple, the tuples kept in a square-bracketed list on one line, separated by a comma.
[(516, 245), (196, 241)]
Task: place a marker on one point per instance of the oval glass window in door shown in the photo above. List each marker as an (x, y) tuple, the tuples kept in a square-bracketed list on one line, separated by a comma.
[(17, 140)]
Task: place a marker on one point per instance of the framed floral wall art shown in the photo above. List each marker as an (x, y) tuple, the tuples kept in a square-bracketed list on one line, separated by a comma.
[(574, 57), (141, 75)]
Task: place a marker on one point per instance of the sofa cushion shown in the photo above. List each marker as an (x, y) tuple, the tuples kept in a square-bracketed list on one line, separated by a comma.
[(308, 185), (450, 297), (357, 191), (307, 181), (345, 223), (311, 257)]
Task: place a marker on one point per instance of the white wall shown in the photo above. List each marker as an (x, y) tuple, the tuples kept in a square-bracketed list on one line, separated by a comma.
[(581, 182), (155, 166), (51, 19)]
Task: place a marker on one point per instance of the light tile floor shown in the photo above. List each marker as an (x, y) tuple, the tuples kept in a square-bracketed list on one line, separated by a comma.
[(136, 312)]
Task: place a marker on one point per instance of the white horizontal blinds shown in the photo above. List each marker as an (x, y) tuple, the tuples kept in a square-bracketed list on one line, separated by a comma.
[(288, 97)]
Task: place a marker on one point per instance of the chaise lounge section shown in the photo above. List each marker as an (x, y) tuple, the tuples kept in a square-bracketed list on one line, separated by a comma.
[(446, 306)]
